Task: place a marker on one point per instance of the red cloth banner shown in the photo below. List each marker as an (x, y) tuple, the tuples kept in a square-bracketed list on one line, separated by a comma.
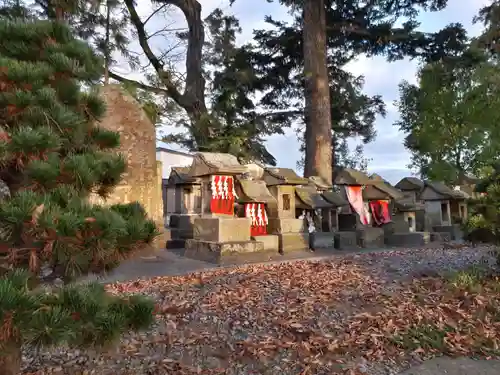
[(257, 213), (380, 212), (223, 195)]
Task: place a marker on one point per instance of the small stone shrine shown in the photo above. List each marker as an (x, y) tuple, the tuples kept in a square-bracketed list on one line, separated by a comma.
[(254, 198), (411, 188), (185, 191), (283, 222), (358, 189), (311, 206), (217, 231), (439, 200)]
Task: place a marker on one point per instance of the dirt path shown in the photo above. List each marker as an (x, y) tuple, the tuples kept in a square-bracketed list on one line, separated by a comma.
[(455, 366)]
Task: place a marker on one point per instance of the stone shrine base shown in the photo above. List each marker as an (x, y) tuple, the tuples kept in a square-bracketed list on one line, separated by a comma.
[(321, 240), (440, 236), (293, 242), (369, 237), (344, 240), (270, 241), (408, 239), (213, 252), (454, 231)]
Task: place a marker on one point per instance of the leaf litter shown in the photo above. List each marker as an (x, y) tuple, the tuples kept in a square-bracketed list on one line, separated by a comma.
[(349, 315)]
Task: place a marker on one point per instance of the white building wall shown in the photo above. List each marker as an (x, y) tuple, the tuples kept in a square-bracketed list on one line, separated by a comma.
[(171, 159)]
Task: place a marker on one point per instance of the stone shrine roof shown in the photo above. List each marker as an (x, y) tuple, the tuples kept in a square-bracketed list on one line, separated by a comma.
[(349, 176), (210, 163), (391, 191), (410, 184), (319, 183), (334, 198), (407, 204), (311, 198), (283, 176), (181, 176), (446, 191), (255, 191)]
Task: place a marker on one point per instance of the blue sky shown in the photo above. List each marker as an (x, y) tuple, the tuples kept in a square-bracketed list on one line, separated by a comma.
[(387, 153)]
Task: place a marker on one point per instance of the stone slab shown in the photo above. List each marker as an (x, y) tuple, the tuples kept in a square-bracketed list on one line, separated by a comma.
[(345, 240), (213, 252), (322, 240), (176, 243), (280, 225), (408, 239), (440, 237), (293, 241), (270, 241), (220, 229), (368, 237), (454, 230)]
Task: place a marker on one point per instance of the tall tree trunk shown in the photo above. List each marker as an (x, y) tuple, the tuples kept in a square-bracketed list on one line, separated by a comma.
[(107, 57), (318, 159), (10, 358)]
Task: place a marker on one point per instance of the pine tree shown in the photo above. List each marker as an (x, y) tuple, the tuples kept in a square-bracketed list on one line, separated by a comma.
[(53, 155), (483, 224)]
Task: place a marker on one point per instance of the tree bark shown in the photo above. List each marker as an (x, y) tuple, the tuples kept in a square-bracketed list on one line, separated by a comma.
[(192, 99), (10, 358), (318, 158)]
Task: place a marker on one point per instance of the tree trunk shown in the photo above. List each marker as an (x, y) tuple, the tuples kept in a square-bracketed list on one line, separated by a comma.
[(318, 159), (10, 358), (107, 57)]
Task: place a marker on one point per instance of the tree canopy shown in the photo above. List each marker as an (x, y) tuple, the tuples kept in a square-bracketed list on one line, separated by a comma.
[(449, 116)]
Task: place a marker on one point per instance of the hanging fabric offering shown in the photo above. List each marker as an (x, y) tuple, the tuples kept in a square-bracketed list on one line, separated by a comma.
[(257, 214), (222, 195)]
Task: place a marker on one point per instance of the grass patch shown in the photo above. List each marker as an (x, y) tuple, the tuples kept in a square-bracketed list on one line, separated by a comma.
[(471, 279), (428, 337)]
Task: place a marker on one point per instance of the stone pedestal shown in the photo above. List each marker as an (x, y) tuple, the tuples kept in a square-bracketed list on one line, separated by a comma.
[(454, 230), (440, 236), (369, 237), (213, 252), (293, 241), (345, 240), (270, 241), (408, 239), (291, 233), (222, 229), (322, 240), (182, 226), (288, 225)]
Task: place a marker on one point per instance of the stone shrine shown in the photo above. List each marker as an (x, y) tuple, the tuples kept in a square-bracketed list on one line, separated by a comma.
[(185, 190), (311, 205), (358, 189), (283, 222), (217, 231)]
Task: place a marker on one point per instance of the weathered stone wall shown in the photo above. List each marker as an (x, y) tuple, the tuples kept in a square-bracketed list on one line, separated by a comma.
[(142, 181)]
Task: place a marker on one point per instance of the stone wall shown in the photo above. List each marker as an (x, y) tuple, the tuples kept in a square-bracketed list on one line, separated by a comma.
[(142, 181)]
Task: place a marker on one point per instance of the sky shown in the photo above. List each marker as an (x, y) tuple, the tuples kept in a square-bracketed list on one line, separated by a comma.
[(387, 154)]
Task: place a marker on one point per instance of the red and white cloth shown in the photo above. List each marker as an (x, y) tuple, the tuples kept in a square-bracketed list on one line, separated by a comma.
[(223, 195), (355, 198), (257, 213)]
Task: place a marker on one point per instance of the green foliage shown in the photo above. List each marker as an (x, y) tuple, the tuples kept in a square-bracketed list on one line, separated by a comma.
[(483, 225), (79, 316), (53, 156), (449, 117)]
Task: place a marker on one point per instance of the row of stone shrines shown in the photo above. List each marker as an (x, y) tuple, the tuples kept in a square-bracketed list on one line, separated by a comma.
[(223, 206)]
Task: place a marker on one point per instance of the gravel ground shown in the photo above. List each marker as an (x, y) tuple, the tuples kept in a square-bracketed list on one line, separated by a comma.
[(228, 320)]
